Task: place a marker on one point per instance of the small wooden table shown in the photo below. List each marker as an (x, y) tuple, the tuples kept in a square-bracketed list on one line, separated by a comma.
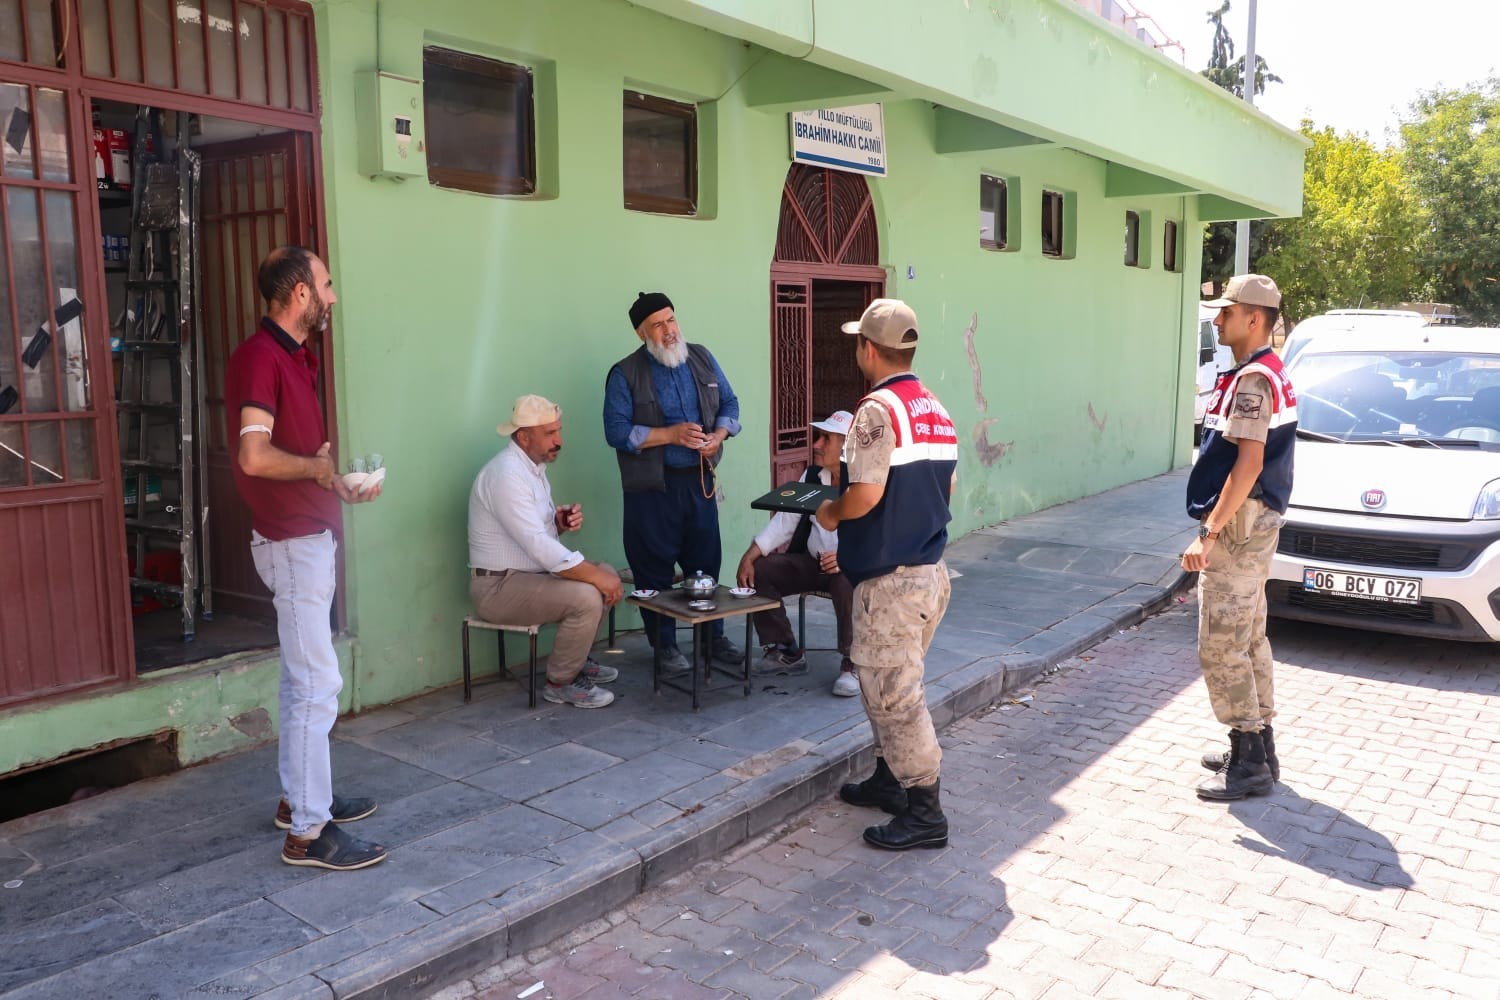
[(674, 604)]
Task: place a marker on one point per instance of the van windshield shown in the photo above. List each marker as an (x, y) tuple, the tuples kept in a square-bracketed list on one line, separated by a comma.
[(1403, 397)]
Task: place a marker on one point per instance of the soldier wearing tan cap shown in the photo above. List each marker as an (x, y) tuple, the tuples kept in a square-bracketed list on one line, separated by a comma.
[(522, 572), (1238, 490), (892, 519)]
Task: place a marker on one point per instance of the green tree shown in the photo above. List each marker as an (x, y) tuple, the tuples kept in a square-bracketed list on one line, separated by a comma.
[(1228, 72), (1361, 233), (1452, 151)]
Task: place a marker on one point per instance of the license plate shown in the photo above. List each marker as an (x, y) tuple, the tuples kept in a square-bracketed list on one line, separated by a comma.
[(1366, 587)]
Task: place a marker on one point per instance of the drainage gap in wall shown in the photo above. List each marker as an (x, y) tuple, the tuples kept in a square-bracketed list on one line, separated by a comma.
[(86, 774)]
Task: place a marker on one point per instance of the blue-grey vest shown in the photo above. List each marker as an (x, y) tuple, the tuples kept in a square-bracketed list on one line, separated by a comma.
[(645, 471)]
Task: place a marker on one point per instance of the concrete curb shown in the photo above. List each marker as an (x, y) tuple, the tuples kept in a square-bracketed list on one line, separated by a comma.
[(538, 912)]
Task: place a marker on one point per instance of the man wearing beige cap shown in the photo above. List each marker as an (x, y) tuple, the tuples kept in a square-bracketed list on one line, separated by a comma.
[(1238, 490), (892, 519), (522, 573)]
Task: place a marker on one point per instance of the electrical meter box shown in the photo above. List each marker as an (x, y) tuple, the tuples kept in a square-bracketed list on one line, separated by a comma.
[(392, 139)]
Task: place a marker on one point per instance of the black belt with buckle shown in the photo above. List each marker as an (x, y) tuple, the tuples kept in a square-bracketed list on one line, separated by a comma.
[(490, 572)]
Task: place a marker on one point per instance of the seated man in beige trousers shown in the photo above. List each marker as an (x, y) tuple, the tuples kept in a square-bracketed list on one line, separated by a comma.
[(522, 573)]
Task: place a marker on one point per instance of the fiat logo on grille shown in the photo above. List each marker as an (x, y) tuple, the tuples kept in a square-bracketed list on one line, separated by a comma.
[(1373, 499)]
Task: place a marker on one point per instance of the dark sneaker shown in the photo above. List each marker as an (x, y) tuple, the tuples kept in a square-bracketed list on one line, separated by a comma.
[(344, 811), (673, 663), (333, 849), (781, 660), (727, 652), (598, 672), (582, 693)]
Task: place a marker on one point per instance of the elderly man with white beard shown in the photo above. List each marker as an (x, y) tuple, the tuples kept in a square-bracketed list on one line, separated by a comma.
[(667, 411)]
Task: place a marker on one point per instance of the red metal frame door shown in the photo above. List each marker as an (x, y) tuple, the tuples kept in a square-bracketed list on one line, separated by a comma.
[(63, 598), (255, 198)]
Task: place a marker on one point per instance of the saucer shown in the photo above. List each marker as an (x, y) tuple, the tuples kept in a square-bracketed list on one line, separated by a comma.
[(742, 592), (644, 595)]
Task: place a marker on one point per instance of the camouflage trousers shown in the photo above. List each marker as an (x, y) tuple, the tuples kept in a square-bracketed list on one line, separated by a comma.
[(895, 617), (1232, 646)]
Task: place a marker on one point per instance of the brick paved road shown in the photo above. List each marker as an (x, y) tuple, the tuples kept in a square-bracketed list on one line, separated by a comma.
[(1082, 864)]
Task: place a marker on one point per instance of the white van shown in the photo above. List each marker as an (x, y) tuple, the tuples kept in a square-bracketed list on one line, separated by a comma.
[(1213, 358), (1344, 321)]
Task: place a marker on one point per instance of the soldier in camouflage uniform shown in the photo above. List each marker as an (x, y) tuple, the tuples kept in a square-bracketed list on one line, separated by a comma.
[(1238, 490), (899, 461)]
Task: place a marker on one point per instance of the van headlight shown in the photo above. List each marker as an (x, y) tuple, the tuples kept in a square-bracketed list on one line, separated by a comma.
[(1487, 507)]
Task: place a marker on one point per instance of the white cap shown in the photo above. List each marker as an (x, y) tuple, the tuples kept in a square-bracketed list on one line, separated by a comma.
[(530, 411), (838, 422)]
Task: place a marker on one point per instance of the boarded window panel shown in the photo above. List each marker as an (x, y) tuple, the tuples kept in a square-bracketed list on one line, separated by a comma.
[(10, 31), (275, 43), (46, 454), (16, 132), (38, 381), (297, 64), (127, 26), (156, 17), (41, 33), (252, 47), (479, 123), (95, 26), (83, 455), (223, 79), (52, 134), (661, 155), (191, 64)]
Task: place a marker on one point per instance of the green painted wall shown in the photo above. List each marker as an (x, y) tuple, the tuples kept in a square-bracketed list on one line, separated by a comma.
[(452, 304)]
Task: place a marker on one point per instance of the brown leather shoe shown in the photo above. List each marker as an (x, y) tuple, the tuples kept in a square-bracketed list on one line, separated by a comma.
[(344, 811)]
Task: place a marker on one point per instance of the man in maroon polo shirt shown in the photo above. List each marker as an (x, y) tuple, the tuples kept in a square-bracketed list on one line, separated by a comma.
[(287, 477)]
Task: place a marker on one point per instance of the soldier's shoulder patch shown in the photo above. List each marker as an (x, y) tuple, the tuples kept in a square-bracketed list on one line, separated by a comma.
[(1248, 404), (867, 436)]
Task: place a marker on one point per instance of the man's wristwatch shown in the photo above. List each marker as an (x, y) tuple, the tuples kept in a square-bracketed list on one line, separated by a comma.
[(1203, 532)]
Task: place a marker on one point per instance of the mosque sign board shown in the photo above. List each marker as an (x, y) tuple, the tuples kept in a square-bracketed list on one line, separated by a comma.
[(851, 138)]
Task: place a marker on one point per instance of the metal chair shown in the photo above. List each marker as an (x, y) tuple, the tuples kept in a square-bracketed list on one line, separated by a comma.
[(802, 615), (470, 621)]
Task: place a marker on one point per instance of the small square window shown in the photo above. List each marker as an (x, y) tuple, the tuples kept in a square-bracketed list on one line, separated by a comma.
[(994, 218), (1169, 248), (661, 155), (1132, 239), (480, 123), (1052, 224)]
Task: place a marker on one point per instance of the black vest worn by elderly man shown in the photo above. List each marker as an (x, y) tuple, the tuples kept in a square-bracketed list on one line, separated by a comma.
[(645, 471)]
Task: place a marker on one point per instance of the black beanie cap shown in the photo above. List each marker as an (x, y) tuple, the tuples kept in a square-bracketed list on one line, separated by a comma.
[(645, 304)]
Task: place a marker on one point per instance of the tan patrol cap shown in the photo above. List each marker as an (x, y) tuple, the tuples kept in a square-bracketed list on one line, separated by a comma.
[(889, 323), (1249, 290)]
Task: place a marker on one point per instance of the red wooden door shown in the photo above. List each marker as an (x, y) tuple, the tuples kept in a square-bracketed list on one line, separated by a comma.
[(826, 245), (63, 598), (255, 198)]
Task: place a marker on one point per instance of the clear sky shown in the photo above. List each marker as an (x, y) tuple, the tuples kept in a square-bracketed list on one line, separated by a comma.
[(1352, 64)]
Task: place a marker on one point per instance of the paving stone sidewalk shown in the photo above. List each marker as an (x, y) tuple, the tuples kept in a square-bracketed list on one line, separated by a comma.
[(1082, 865), (512, 826)]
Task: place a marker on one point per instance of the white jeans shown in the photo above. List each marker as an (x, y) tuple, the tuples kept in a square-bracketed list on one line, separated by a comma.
[(299, 572)]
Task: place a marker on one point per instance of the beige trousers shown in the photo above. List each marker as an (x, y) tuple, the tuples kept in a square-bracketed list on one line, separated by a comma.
[(1233, 651), (895, 617), (518, 598)]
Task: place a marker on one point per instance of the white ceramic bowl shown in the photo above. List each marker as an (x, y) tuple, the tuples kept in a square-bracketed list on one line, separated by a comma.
[(742, 591), (374, 479), (354, 481), (644, 595)]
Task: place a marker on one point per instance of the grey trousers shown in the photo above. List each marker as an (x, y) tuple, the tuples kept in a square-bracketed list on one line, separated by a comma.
[(518, 598)]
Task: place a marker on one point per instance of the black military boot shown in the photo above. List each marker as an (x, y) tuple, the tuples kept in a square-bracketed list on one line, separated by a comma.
[(1247, 774), (922, 825), (1216, 761), (880, 790)]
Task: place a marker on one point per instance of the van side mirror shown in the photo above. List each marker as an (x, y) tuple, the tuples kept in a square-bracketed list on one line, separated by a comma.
[(1205, 355)]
